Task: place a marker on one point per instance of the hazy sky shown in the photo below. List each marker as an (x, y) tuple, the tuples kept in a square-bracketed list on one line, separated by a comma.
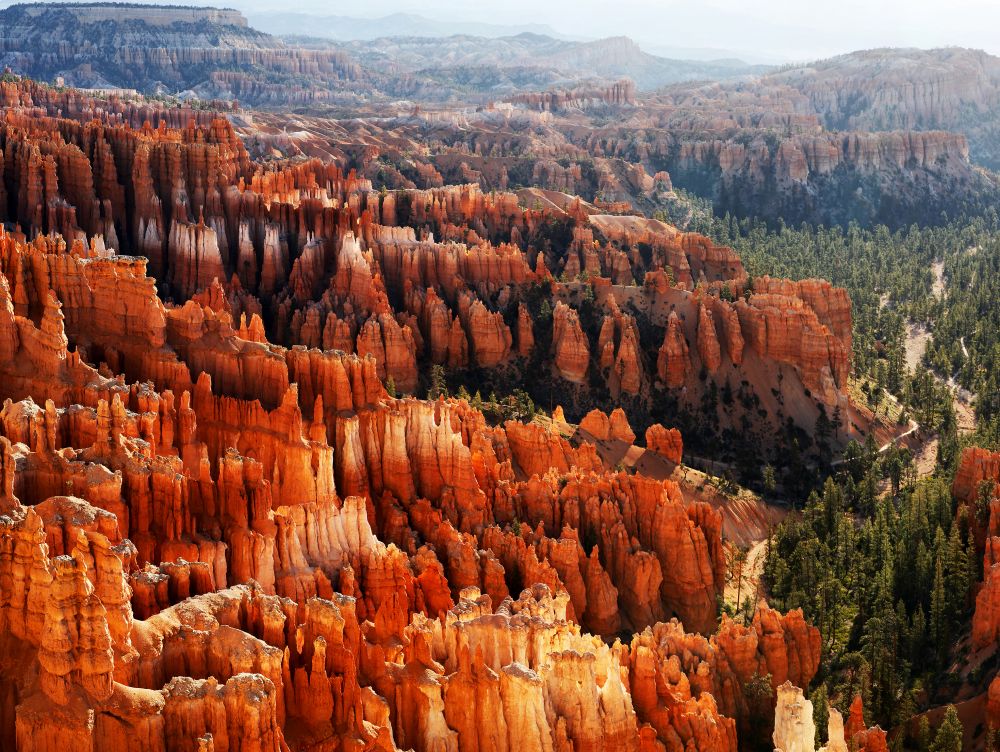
[(797, 29), (773, 29)]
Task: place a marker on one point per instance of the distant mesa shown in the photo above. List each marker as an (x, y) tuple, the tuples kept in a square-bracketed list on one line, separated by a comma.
[(152, 15)]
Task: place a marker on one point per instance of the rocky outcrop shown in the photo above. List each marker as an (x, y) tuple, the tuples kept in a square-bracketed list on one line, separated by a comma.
[(619, 93), (788, 330), (535, 450), (835, 739), (978, 471), (308, 255), (393, 349), (489, 336), (672, 361), (858, 735), (619, 427), (986, 617), (194, 258), (886, 89), (219, 528), (337, 671), (708, 341), (830, 304), (993, 703), (619, 349), (689, 688), (794, 729), (665, 442), (795, 179), (608, 427), (571, 348), (137, 50), (525, 332), (976, 467)]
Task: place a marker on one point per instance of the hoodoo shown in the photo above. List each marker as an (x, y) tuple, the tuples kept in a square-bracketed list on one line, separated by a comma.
[(482, 390)]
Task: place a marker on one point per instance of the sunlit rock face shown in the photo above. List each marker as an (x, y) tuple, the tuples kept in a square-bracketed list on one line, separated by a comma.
[(218, 528)]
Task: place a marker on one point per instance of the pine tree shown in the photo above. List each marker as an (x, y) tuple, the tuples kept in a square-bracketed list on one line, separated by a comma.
[(833, 506), (938, 615), (975, 563), (991, 742), (957, 579), (736, 562), (949, 734), (897, 743), (918, 634), (770, 482), (924, 735), (923, 568), (983, 497), (821, 712), (439, 386)]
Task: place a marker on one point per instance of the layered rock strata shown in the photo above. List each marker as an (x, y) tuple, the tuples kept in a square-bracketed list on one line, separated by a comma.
[(216, 531)]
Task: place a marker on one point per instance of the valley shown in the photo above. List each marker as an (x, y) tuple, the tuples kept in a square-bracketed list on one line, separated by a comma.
[(456, 392)]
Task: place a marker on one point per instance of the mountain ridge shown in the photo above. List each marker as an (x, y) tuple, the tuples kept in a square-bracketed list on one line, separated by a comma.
[(390, 25)]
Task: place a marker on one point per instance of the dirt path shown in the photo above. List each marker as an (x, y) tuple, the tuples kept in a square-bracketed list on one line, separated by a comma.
[(753, 571), (918, 336), (937, 286), (965, 413), (914, 427), (925, 458)]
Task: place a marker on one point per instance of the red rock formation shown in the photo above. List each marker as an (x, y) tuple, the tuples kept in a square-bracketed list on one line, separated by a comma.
[(536, 450), (393, 349), (788, 330), (620, 428), (618, 345), (986, 617), (993, 703), (708, 341), (489, 336), (689, 688), (855, 719), (308, 546), (665, 442), (859, 736), (209, 537), (525, 332), (975, 466), (606, 427), (597, 425), (979, 469), (570, 346), (329, 258), (672, 362), (731, 330)]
